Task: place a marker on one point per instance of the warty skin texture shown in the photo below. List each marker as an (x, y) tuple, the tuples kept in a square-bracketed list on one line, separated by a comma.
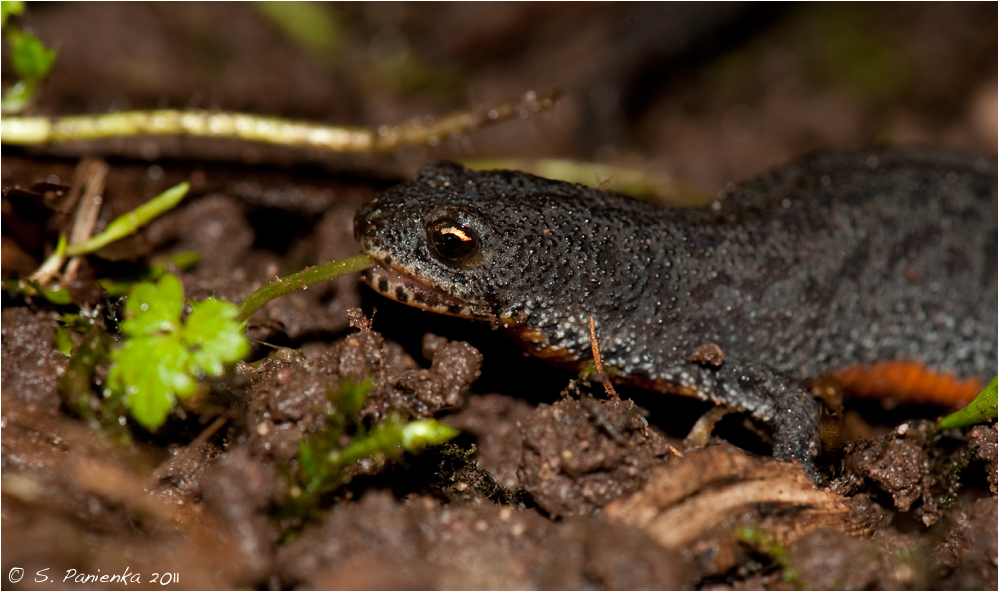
[(833, 261)]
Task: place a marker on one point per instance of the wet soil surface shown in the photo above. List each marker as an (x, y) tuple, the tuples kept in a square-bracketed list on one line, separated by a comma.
[(548, 486)]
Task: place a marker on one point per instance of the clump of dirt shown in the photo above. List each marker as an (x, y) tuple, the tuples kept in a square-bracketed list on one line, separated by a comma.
[(455, 365), (889, 560), (495, 421), (908, 464), (578, 455), (215, 224), (220, 224), (290, 397), (382, 543), (31, 365), (74, 503), (983, 444), (966, 560), (241, 492), (831, 560)]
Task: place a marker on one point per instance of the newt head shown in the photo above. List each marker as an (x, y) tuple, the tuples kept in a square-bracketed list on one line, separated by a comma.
[(530, 255), (442, 246)]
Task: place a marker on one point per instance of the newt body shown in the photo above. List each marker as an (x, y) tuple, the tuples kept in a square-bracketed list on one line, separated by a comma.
[(835, 262)]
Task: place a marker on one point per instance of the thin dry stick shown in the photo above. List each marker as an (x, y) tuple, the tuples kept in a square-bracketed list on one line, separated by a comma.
[(598, 361), (87, 181), (608, 386), (93, 173)]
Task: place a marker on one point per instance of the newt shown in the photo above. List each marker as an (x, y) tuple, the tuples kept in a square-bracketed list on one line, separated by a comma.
[(869, 265)]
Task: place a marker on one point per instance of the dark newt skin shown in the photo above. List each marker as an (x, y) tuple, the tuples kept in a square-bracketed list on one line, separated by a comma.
[(836, 261)]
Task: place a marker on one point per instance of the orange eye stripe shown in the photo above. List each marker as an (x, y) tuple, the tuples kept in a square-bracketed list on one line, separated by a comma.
[(453, 231)]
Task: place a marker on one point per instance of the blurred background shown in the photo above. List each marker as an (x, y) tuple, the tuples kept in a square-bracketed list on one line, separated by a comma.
[(707, 92)]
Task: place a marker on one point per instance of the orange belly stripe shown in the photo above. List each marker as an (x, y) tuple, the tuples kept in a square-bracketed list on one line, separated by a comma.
[(908, 382)]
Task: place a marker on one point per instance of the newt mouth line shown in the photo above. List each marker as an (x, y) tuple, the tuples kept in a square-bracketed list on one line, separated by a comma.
[(411, 291)]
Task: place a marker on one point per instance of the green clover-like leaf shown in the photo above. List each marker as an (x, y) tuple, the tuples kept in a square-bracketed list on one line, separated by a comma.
[(154, 308), (214, 336), (161, 357), (152, 371), (31, 60)]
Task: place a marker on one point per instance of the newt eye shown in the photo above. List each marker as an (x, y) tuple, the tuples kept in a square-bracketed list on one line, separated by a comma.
[(451, 241)]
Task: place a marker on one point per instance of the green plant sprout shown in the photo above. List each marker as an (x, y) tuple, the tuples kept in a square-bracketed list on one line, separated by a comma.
[(324, 461), (128, 223), (163, 357), (31, 60), (33, 131), (981, 409), (40, 282)]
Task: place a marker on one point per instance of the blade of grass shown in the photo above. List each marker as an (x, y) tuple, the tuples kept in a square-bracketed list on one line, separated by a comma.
[(128, 223), (982, 408)]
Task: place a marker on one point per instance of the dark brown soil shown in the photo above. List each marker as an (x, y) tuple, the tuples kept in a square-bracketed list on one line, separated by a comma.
[(570, 490)]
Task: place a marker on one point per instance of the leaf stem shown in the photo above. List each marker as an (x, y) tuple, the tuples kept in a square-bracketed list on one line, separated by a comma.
[(271, 130), (302, 280)]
